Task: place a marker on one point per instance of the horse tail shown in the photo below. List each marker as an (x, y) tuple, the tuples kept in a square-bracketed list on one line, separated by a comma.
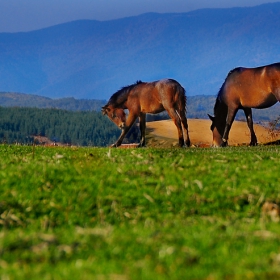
[(182, 100)]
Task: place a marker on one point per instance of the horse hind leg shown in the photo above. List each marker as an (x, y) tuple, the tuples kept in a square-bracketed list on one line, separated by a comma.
[(142, 122), (249, 118), (177, 121), (184, 122)]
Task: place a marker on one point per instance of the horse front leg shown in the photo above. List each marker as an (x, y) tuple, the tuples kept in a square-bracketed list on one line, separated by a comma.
[(120, 139), (130, 120), (142, 121), (249, 118), (229, 120)]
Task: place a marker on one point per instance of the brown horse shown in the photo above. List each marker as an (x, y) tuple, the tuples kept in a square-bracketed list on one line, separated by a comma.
[(142, 98), (244, 88)]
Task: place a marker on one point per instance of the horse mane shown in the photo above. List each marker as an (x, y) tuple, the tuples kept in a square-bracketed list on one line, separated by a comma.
[(233, 70), (119, 97), (223, 85), (218, 102)]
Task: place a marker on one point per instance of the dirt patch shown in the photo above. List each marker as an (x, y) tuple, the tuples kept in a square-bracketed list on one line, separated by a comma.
[(164, 133)]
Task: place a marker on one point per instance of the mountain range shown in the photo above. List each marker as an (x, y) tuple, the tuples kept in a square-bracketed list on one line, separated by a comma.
[(90, 59), (198, 106)]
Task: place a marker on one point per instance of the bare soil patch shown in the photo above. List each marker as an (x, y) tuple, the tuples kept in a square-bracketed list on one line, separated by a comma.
[(164, 133)]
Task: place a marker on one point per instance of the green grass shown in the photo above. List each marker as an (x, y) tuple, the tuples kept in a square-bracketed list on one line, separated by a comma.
[(100, 213)]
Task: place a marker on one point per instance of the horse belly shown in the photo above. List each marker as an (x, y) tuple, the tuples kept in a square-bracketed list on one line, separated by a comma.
[(267, 102), (258, 90), (150, 103), (152, 108), (259, 101)]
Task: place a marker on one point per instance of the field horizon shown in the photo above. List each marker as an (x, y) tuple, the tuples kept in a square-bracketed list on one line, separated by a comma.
[(164, 133)]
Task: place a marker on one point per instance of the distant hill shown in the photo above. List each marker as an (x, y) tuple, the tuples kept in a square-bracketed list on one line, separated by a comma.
[(93, 59), (13, 99), (197, 106)]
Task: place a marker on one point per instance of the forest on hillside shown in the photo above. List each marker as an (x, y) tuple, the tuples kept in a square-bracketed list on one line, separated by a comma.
[(16, 99), (82, 128), (83, 124), (198, 106)]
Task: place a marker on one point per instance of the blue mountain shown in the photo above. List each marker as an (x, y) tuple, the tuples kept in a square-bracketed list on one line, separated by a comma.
[(93, 59)]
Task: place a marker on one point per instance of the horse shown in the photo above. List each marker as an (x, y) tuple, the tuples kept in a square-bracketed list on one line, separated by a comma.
[(141, 98), (244, 88)]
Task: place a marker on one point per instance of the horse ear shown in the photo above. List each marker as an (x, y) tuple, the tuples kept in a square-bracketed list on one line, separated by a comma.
[(211, 118), (105, 110)]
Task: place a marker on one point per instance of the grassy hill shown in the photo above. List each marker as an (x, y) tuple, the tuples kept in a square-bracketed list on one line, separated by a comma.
[(164, 133)]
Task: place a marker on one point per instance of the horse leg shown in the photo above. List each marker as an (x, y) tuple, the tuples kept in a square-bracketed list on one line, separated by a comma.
[(249, 118), (130, 121), (229, 120), (177, 121), (185, 128), (142, 120)]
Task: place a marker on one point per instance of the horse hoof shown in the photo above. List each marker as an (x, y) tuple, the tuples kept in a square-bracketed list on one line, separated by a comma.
[(253, 144), (141, 145), (186, 145), (224, 144)]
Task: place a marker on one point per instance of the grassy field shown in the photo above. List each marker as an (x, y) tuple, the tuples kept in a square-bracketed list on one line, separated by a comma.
[(121, 214)]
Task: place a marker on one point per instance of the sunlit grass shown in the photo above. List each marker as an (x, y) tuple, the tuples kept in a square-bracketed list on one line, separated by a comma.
[(100, 213)]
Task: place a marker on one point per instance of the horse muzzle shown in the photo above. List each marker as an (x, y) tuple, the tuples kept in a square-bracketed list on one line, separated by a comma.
[(122, 125), (219, 144)]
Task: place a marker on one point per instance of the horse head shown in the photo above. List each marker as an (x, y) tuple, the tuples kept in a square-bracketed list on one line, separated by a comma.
[(116, 115), (217, 129)]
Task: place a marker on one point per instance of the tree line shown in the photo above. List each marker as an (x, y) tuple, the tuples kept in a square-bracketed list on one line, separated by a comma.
[(88, 127), (83, 128)]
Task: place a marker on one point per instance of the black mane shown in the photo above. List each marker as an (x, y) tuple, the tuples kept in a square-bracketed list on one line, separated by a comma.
[(218, 99), (120, 96), (233, 70), (220, 107)]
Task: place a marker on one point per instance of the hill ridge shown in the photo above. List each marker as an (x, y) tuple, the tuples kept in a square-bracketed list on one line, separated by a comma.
[(92, 59), (197, 106)]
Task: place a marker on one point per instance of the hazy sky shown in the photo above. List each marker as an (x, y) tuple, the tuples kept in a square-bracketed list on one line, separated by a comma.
[(26, 15)]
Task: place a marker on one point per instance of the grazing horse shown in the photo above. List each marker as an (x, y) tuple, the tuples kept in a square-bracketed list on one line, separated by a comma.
[(244, 88), (152, 98)]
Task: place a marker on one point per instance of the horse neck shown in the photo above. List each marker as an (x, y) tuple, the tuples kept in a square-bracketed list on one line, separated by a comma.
[(118, 99)]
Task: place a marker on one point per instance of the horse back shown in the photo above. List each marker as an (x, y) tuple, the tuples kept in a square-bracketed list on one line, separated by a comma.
[(153, 97), (143, 98), (252, 87)]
